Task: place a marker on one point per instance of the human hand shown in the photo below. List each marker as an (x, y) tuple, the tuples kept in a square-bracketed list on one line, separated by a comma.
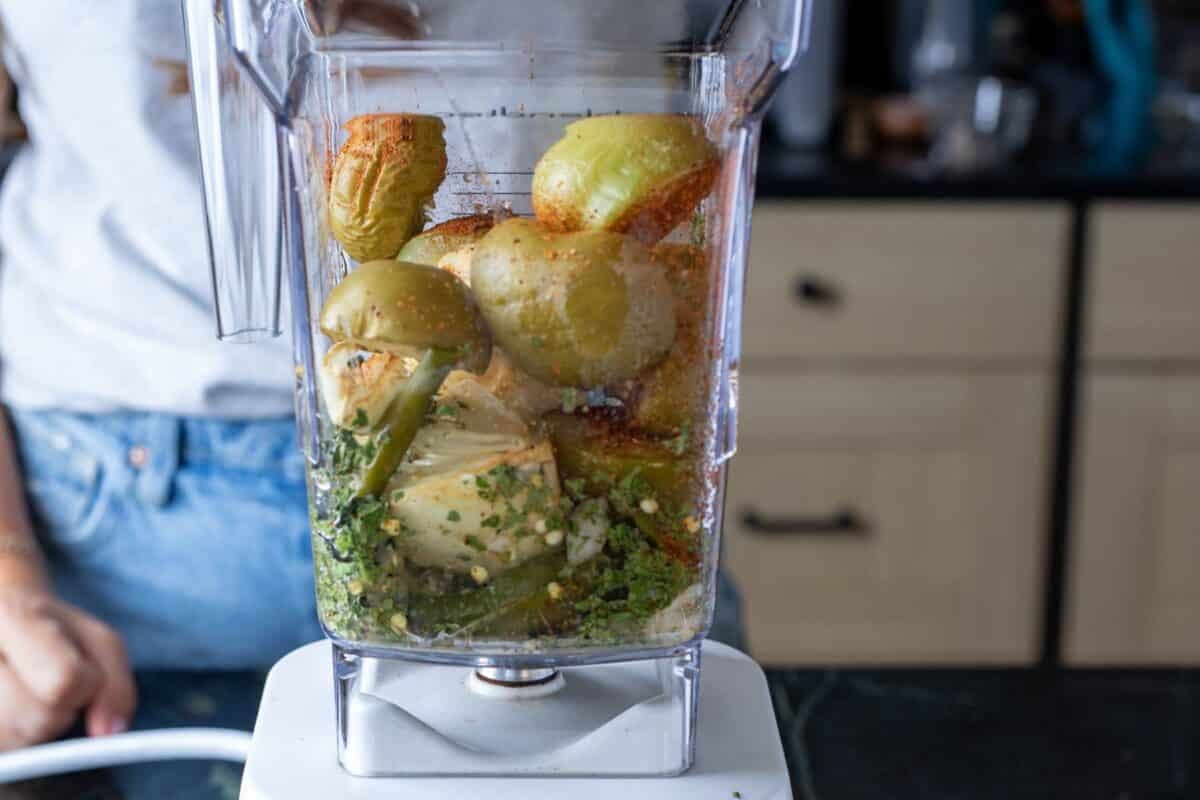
[(56, 663)]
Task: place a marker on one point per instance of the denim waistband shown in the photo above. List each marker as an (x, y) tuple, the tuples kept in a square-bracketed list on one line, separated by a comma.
[(146, 449)]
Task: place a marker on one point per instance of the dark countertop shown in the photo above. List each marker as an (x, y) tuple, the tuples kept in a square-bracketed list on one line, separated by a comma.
[(800, 175), (848, 735), (982, 734)]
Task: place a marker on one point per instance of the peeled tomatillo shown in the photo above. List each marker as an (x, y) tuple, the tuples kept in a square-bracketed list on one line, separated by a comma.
[(640, 174), (428, 247), (576, 309)]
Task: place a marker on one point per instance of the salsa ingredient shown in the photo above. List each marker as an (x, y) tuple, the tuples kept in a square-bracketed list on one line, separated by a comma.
[(672, 392), (640, 174), (577, 309), (431, 245), (406, 309), (398, 307), (512, 402), (381, 181), (357, 386)]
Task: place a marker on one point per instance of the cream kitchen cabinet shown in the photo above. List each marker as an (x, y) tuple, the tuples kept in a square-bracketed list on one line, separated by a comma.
[(888, 281), (1133, 597), (1145, 294), (890, 517), (887, 503), (1134, 545)]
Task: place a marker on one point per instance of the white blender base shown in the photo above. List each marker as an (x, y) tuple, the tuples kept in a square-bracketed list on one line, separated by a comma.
[(294, 752)]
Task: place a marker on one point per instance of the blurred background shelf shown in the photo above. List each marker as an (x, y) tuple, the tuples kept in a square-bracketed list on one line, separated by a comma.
[(787, 173)]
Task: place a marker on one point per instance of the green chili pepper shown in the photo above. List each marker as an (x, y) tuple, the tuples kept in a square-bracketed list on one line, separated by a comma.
[(502, 594)]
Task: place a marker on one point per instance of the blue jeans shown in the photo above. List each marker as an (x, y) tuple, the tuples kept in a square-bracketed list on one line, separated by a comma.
[(189, 536)]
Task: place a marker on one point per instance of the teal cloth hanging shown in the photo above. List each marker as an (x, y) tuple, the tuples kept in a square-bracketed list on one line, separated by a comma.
[(1123, 45)]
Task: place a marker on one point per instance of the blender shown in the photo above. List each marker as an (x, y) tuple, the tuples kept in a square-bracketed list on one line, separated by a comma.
[(512, 241)]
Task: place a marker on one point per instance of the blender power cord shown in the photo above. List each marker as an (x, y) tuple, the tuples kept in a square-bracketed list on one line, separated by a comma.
[(171, 744)]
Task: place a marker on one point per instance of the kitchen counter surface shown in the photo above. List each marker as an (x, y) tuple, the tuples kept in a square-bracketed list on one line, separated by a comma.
[(849, 735), (984, 734)]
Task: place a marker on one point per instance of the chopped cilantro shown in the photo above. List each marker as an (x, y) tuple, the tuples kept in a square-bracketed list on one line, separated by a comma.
[(505, 483), (362, 580), (639, 582), (537, 500), (512, 518), (630, 491), (696, 228), (361, 420), (484, 489), (679, 444), (570, 399)]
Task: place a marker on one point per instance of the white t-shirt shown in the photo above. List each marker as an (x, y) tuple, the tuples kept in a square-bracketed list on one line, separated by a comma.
[(105, 298), (104, 284)]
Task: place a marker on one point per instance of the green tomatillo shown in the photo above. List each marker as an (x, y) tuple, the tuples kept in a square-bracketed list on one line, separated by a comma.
[(408, 310), (640, 174), (575, 309)]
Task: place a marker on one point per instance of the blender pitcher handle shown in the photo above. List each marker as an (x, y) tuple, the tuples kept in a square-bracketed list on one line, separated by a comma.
[(240, 167), (762, 39), (265, 37)]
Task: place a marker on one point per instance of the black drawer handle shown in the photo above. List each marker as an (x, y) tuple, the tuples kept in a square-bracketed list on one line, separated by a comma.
[(811, 290), (844, 521)]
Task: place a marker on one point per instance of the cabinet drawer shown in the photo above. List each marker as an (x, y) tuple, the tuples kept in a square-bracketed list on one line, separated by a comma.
[(886, 281), (1132, 595), (1146, 282), (890, 519)]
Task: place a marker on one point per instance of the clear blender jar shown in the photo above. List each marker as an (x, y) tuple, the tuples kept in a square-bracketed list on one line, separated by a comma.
[(512, 246)]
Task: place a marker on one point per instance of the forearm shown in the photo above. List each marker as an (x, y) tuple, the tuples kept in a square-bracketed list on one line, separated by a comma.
[(20, 557)]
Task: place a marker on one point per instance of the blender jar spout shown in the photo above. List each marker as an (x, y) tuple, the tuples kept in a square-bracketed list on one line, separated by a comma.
[(763, 40)]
